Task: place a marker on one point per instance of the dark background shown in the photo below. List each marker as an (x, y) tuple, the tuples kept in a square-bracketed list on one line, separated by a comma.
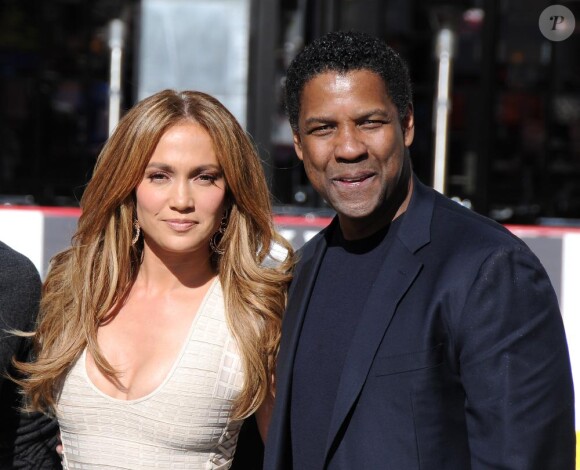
[(514, 142)]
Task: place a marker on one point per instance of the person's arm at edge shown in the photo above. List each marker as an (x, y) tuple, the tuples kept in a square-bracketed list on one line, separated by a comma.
[(263, 416), (515, 367), (35, 434)]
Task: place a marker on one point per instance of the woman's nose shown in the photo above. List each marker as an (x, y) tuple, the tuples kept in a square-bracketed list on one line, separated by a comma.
[(182, 196)]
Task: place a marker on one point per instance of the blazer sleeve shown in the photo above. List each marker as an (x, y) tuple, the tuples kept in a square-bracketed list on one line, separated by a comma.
[(515, 367)]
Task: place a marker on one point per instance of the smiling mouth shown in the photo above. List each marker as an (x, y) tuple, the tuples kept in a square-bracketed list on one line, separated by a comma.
[(353, 180)]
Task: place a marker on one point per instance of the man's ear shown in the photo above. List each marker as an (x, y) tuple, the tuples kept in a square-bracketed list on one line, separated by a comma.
[(408, 126), (297, 144)]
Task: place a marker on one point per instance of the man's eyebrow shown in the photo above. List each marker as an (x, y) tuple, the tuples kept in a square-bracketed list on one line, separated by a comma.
[(318, 120), (362, 115), (375, 112)]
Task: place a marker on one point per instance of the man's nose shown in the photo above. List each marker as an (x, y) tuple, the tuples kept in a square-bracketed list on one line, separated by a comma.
[(349, 144)]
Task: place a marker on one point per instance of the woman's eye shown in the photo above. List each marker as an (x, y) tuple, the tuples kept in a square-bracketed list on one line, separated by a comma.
[(208, 177), (157, 176)]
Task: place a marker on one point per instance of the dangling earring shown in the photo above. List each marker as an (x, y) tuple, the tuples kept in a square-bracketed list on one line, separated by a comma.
[(217, 236), (137, 229)]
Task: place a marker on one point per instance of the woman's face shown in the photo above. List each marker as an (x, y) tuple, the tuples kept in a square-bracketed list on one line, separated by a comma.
[(181, 199)]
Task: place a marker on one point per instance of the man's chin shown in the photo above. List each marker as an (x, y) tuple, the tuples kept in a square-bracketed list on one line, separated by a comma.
[(354, 210)]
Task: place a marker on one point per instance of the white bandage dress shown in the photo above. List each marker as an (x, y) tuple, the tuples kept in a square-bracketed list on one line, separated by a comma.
[(184, 424)]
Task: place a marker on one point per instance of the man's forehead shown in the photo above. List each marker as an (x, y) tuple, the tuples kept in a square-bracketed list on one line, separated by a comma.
[(354, 83), (343, 78)]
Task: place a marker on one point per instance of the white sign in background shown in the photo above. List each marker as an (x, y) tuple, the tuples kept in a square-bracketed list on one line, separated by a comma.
[(198, 45)]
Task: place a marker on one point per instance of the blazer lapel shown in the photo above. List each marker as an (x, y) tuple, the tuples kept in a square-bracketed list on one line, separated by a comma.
[(376, 316), (295, 311), (399, 270), (278, 449)]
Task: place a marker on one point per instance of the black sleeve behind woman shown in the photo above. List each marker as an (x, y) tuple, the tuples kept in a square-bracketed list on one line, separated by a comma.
[(250, 450), (27, 440)]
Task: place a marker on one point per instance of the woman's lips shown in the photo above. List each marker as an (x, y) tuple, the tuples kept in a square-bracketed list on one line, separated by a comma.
[(180, 225)]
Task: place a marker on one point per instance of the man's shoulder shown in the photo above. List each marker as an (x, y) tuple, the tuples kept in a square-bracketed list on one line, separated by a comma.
[(14, 261), (18, 275), (453, 220), (455, 232)]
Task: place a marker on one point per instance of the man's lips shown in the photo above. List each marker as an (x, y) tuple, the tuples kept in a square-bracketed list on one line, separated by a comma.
[(353, 179)]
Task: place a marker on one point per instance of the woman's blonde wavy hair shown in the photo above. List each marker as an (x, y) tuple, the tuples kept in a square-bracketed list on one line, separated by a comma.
[(89, 279)]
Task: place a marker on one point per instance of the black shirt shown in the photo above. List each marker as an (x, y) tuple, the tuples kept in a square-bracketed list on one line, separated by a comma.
[(346, 276)]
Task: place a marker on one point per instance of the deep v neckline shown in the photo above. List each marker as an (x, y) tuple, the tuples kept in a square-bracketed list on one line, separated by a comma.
[(176, 362)]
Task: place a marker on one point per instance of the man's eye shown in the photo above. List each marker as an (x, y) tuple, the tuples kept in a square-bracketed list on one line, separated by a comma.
[(321, 130), (371, 124)]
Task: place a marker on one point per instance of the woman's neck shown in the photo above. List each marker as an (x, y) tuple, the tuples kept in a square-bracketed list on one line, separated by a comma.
[(174, 271)]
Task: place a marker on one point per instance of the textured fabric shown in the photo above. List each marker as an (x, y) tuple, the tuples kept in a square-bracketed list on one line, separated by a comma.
[(27, 441), (184, 424)]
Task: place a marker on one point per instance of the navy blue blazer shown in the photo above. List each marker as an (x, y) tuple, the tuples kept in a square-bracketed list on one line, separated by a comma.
[(459, 361)]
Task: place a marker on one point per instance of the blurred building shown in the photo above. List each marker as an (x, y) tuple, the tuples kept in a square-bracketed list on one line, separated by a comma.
[(513, 138)]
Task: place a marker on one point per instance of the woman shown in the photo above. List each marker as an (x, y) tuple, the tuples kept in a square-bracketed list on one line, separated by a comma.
[(159, 327)]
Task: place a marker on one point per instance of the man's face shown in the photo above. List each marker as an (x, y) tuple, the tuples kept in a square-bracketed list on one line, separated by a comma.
[(353, 145)]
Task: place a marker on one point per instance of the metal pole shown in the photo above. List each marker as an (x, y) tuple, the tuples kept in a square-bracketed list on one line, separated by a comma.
[(116, 44), (261, 77), (486, 139), (444, 53)]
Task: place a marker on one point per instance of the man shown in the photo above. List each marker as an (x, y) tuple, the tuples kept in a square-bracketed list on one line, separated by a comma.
[(27, 441), (418, 334)]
